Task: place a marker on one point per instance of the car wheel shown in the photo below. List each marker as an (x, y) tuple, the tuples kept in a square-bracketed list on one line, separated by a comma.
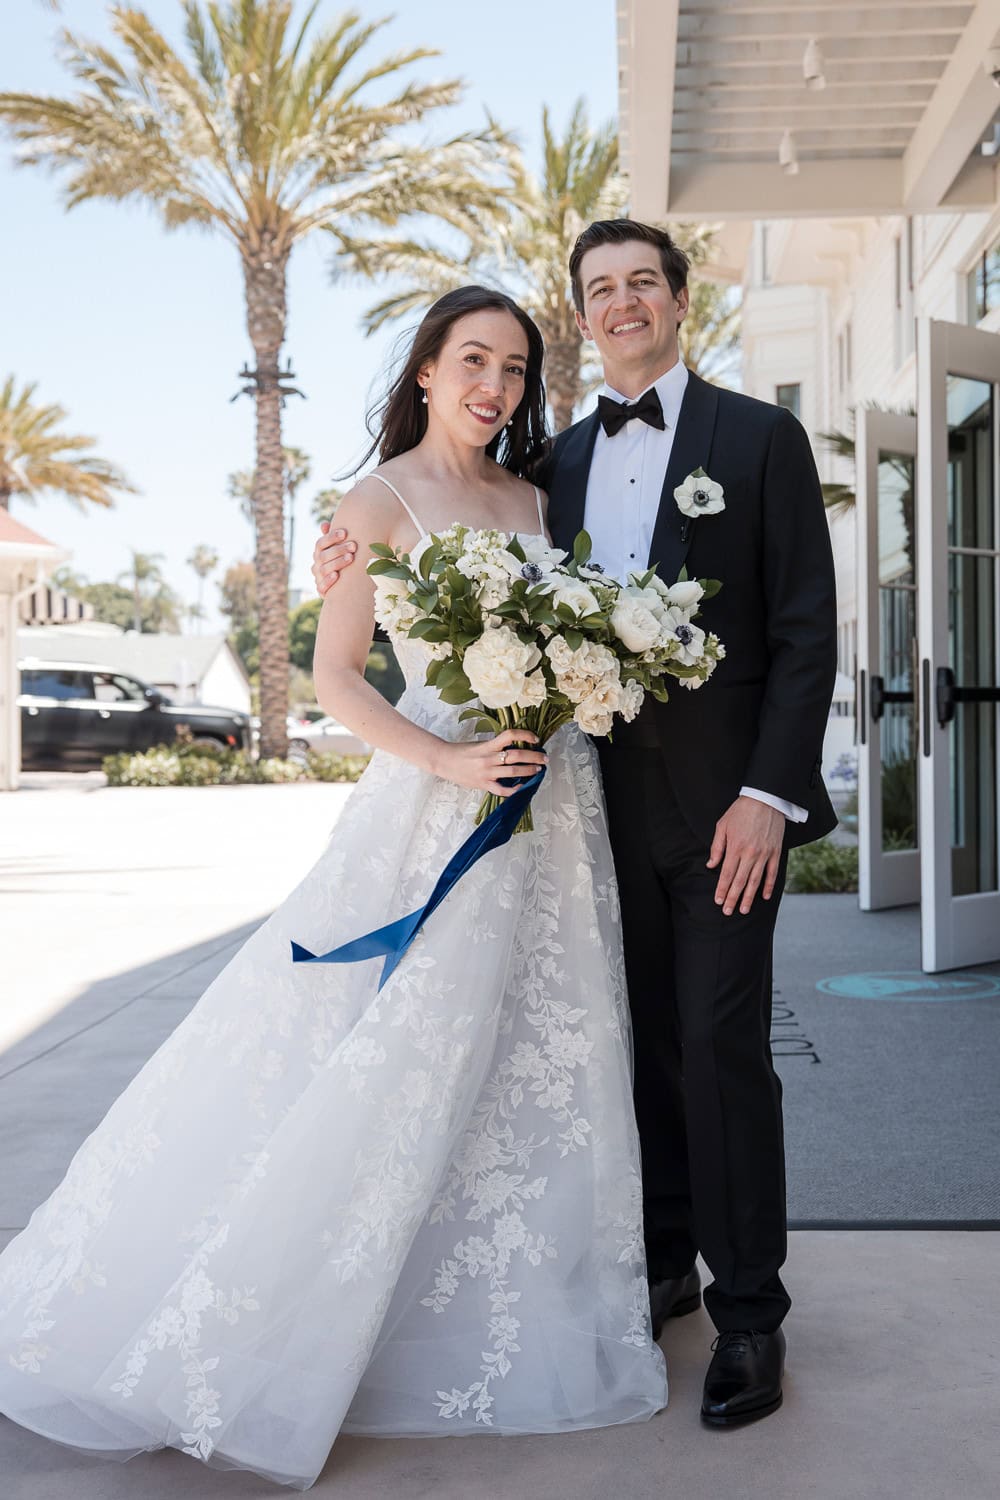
[(298, 749)]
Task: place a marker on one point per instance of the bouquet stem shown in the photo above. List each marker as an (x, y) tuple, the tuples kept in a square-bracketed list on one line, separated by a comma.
[(540, 722)]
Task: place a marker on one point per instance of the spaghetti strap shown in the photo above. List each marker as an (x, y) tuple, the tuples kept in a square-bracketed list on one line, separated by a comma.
[(538, 503), (402, 502)]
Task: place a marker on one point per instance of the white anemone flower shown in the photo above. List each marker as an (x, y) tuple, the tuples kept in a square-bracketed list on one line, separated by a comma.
[(699, 495)]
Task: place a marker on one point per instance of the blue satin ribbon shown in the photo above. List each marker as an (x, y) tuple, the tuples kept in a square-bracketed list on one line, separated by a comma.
[(394, 939)]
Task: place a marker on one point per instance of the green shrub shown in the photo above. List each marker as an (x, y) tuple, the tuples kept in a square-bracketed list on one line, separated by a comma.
[(821, 867), (187, 764), (325, 765)]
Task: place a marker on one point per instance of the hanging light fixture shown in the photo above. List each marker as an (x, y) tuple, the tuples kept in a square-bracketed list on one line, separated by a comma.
[(812, 66), (787, 157)]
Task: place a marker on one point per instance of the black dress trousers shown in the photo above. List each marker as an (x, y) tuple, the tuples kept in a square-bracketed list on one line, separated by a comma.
[(708, 1099)]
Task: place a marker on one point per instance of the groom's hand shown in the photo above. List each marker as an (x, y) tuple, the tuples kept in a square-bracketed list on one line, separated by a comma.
[(333, 552), (748, 841)]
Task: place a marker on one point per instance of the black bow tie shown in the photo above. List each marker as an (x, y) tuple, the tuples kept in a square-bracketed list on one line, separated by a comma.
[(614, 414)]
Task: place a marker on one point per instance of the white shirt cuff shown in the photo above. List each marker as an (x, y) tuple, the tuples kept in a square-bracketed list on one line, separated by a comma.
[(791, 810)]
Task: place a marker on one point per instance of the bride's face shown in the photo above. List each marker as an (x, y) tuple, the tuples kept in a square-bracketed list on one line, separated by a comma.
[(477, 381)]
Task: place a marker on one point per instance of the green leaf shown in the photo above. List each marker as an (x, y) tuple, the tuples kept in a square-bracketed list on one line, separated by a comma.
[(426, 558), (459, 692), (434, 671), (516, 550), (428, 630), (382, 567), (484, 722), (582, 548), (682, 576), (711, 586), (381, 550), (574, 639)]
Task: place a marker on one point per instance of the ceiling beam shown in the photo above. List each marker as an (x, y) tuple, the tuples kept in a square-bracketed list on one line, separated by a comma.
[(824, 189), (958, 115), (646, 99)]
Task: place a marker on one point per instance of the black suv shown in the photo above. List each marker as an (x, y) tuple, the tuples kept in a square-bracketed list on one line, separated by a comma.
[(73, 714)]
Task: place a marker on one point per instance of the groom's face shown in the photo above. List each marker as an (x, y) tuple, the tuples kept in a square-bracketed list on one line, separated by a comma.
[(629, 310)]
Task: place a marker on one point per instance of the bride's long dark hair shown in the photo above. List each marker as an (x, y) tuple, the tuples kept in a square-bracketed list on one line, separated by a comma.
[(399, 421)]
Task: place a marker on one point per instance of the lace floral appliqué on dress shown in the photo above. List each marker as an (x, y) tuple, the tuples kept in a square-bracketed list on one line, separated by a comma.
[(318, 1208)]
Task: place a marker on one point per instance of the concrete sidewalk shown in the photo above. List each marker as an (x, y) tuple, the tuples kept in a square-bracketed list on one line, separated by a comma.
[(118, 907)]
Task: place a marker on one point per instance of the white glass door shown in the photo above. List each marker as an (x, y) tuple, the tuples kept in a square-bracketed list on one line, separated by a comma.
[(958, 577), (888, 857)]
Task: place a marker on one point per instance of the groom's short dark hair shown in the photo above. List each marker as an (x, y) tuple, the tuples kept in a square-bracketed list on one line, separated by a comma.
[(617, 232)]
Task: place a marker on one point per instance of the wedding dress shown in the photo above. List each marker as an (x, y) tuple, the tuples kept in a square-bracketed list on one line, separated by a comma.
[(319, 1208)]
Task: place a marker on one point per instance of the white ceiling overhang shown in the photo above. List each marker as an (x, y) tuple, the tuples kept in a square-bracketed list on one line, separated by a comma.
[(707, 89)]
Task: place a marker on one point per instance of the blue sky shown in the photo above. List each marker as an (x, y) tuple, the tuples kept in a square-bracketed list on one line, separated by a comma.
[(139, 334)]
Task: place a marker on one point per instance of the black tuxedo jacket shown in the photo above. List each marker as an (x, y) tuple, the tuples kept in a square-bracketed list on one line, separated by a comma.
[(760, 719)]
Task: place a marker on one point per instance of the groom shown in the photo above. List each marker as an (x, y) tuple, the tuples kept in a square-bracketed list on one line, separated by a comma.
[(706, 793)]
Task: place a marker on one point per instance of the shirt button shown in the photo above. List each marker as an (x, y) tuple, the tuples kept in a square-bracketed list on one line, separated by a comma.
[(631, 557), (631, 481)]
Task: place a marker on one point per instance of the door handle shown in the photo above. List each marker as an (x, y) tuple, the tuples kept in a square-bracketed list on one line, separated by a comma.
[(879, 696), (948, 695), (105, 713)]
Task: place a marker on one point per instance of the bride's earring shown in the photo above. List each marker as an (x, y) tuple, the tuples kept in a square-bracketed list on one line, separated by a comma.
[(425, 401)]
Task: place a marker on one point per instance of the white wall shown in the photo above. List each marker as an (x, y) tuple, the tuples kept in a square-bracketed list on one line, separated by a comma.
[(224, 685)]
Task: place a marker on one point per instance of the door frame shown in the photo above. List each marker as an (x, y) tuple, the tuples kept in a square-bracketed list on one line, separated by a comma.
[(893, 878), (955, 930)]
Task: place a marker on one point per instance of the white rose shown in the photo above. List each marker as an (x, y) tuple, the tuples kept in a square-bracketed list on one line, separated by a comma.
[(633, 697), (497, 666), (634, 622), (576, 595), (534, 692), (595, 715)]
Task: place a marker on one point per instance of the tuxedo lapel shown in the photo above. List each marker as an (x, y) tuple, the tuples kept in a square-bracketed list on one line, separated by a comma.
[(692, 449), (568, 493)]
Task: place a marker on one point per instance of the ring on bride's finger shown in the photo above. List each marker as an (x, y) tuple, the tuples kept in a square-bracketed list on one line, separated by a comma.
[(503, 757)]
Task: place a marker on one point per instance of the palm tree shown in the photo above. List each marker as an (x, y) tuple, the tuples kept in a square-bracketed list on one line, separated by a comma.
[(35, 454), (261, 130), (203, 561), (324, 504), (840, 497), (144, 569), (709, 337), (296, 466), (525, 251)]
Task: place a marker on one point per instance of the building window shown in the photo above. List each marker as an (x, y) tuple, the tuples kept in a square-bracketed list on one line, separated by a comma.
[(765, 270), (984, 284), (790, 397)]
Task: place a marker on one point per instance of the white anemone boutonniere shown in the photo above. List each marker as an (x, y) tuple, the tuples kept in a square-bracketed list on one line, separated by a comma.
[(699, 495)]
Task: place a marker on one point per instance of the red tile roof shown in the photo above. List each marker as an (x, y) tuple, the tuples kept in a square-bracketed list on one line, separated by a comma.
[(13, 531)]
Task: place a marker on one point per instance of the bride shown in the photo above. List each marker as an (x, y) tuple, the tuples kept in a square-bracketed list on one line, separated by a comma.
[(324, 1208)]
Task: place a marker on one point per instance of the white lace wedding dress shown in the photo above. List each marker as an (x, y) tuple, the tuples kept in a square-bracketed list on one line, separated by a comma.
[(320, 1209)]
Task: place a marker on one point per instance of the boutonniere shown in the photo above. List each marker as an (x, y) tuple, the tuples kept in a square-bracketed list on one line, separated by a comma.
[(699, 495)]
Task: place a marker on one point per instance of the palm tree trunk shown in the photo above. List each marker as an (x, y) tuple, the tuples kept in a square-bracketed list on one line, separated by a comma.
[(5, 499), (265, 275), (562, 379)]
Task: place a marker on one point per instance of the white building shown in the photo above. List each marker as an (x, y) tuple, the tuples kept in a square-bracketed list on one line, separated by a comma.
[(849, 154), (188, 668), (26, 560)]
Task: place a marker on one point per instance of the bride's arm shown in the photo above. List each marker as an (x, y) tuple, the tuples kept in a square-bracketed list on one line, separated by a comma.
[(343, 638)]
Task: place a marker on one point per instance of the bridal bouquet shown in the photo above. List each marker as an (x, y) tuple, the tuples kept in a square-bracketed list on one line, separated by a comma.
[(538, 638)]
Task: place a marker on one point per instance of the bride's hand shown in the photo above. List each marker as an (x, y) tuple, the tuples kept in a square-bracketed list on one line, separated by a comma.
[(479, 763)]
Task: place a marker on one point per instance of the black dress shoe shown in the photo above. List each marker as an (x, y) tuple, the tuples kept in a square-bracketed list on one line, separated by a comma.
[(673, 1298), (744, 1379)]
